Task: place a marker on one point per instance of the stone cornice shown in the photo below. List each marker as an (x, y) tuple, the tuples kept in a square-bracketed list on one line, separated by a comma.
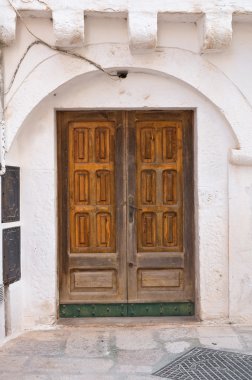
[(214, 18)]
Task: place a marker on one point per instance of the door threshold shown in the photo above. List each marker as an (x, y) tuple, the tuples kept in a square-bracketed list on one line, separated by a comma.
[(127, 322), (164, 309)]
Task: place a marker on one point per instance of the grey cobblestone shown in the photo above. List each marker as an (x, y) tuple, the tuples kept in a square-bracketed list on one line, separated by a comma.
[(110, 351)]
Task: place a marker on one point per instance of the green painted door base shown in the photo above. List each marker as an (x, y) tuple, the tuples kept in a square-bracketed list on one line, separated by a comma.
[(126, 310)]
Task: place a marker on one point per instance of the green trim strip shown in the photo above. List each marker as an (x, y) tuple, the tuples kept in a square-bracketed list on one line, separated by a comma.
[(126, 310)]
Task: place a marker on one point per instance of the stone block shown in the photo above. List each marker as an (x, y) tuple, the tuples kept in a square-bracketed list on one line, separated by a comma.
[(142, 27), (68, 27)]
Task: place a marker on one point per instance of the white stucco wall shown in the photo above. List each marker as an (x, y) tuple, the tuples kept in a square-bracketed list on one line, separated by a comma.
[(223, 208), (240, 236)]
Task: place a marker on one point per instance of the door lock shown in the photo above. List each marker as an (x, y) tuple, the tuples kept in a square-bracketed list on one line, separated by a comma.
[(131, 264)]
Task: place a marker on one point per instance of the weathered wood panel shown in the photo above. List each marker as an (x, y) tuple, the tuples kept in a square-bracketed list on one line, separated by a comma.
[(160, 185), (91, 227)]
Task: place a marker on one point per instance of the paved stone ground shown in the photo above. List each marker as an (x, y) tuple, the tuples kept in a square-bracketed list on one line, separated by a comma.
[(112, 349)]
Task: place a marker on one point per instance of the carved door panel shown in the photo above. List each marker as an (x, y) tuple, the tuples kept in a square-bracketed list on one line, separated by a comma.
[(160, 250), (126, 207), (93, 260)]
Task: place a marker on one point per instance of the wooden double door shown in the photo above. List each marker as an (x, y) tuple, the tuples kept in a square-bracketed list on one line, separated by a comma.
[(126, 213)]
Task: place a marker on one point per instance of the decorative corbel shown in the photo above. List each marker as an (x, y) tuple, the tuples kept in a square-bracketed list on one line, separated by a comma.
[(241, 157), (142, 28), (7, 25), (216, 31), (68, 27)]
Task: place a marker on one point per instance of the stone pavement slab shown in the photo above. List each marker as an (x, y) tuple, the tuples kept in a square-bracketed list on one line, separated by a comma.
[(112, 350)]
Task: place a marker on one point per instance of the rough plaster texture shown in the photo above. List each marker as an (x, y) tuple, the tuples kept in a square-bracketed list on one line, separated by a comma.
[(217, 86), (240, 208)]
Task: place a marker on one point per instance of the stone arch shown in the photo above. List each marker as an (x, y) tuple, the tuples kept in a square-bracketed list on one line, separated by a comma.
[(181, 64)]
